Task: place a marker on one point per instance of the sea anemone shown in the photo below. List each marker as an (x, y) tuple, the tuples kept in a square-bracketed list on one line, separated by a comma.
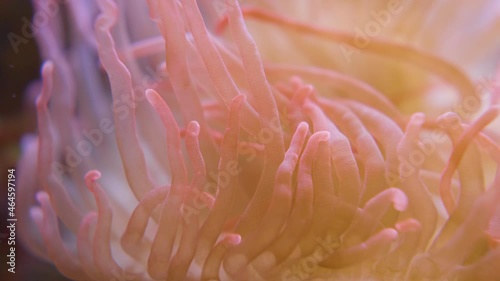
[(237, 144)]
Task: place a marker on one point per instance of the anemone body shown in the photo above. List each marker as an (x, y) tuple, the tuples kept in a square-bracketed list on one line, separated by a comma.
[(170, 148)]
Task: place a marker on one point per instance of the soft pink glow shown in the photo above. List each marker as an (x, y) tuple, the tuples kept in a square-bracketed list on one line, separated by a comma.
[(166, 151)]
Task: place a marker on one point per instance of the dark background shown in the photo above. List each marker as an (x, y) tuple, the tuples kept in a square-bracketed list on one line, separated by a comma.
[(16, 118)]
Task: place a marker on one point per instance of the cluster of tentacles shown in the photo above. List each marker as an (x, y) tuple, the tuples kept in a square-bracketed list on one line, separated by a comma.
[(238, 170)]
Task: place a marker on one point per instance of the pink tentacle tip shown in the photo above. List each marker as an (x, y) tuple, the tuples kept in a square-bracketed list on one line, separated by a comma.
[(238, 101), (153, 97), (321, 136), (409, 225), (91, 177), (399, 199), (232, 239), (103, 23), (193, 129), (390, 234), (47, 69), (47, 75), (448, 120), (108, 17), (303, 126), (42, 196), (418, 118), (296, 81), (308, 108), (302, 94)]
